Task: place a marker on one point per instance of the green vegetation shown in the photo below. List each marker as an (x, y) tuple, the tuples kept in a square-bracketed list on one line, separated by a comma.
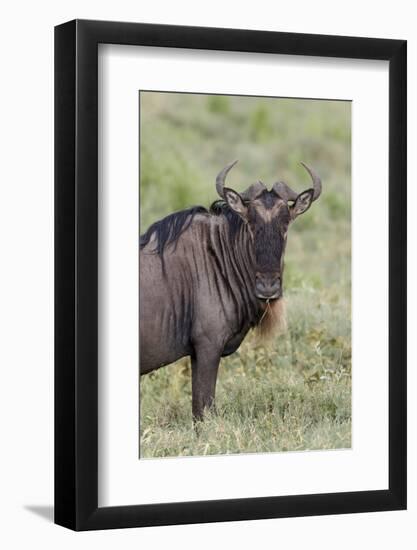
[(296, 393)]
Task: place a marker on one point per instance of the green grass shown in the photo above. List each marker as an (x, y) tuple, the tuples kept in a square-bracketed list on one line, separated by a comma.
[(296, 393)]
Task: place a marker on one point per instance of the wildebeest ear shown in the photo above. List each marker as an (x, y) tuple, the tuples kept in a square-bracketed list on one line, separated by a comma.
[(302, 203), (235, 201)]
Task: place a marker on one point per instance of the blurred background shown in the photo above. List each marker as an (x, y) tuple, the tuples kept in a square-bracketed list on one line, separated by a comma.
[(295, 394)]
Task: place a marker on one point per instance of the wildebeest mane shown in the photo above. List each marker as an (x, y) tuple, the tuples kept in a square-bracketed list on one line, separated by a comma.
[(169, 229)]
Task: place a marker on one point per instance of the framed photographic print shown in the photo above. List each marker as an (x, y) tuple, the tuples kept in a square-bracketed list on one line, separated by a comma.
[(230, 248)]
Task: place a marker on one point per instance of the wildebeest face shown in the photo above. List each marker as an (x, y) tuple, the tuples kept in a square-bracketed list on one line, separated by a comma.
[(268, 217)]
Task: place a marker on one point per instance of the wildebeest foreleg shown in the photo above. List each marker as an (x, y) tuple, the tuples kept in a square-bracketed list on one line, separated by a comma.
[(204, 367)]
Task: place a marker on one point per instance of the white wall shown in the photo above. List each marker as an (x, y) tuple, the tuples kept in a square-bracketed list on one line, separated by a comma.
[(26, 291)]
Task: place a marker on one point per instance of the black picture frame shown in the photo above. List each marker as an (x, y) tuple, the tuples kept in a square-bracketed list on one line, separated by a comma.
[(76, 272)]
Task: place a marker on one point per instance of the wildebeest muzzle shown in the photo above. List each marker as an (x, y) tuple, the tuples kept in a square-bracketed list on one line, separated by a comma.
[(268, 286)]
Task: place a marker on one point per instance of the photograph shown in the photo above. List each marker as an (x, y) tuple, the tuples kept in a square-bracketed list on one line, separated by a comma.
[(244, 274)]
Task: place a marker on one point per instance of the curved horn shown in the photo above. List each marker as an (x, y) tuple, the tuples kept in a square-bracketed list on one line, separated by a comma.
[(316, 182), (253, 191), (284, 191), (222, 177)]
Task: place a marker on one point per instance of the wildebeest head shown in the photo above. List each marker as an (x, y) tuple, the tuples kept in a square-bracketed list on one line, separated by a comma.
[(268, 215)]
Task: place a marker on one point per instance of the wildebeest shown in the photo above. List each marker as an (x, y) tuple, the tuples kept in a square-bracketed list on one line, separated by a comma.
[(208, 276)]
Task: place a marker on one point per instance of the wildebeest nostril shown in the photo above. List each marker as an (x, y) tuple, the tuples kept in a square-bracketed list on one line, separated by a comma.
[(267, 287)]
